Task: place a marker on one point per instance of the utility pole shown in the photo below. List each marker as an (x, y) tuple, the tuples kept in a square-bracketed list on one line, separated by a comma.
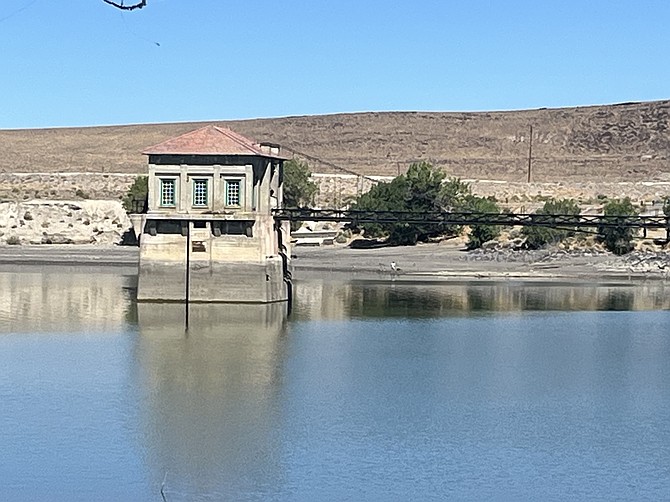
[(530, 153)]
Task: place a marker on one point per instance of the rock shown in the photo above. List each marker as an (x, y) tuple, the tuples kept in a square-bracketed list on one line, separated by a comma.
[(61, 222), (55, 239)]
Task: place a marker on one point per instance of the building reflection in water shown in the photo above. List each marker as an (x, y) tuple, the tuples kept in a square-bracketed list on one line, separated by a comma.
[(332, 300), (210, 394)]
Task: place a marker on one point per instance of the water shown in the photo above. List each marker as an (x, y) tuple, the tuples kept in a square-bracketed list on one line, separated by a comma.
[(367, 392)]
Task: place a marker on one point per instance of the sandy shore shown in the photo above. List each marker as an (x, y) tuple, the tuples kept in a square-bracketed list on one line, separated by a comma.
[(427, 262), (69, 254), (444, 262)]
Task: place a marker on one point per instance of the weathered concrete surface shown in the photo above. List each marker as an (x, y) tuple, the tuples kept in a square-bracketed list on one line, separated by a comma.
[(240, 282), (224, 268)]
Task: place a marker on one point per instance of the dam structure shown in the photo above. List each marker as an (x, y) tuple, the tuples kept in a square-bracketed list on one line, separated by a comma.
[(209, 234)]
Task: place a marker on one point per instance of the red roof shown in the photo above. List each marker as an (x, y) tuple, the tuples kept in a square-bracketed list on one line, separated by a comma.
[(210, 140)]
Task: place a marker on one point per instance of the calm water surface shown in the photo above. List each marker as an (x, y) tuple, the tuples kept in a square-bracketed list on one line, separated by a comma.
[(366, 392)]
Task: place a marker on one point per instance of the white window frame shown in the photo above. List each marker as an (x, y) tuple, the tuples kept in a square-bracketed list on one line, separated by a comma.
[(196, 182), (162, 182), (240, 191)]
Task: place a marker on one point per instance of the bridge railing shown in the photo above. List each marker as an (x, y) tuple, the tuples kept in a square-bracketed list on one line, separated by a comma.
[(472, 218)]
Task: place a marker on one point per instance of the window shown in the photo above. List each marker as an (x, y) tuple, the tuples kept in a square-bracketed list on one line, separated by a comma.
[(200, 192), (167, 194), (233, 227), (233, 192)]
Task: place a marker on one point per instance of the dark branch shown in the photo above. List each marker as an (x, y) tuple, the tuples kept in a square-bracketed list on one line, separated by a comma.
[(137, 5)]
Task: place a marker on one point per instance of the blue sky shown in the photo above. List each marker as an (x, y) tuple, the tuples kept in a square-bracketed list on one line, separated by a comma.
[(82, 62)]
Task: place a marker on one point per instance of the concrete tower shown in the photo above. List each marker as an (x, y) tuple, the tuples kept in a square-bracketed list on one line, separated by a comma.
[(209, 234)]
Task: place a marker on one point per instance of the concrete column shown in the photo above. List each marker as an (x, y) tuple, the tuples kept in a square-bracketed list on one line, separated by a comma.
[(183, 205), (217, 190), (248, 188)]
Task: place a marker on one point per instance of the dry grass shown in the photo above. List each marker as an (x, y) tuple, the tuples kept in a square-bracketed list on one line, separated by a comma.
[(628, 142)]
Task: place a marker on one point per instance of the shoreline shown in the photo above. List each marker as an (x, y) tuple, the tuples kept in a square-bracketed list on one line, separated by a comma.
[(438, 262)]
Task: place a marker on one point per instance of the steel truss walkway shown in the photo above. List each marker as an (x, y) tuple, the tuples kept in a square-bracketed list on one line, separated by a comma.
[(563, 221)]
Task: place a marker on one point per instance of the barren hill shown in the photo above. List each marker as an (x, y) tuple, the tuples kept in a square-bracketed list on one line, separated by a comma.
[(625, 142)]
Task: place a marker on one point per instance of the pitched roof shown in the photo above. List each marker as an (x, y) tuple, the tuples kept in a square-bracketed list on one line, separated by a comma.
[(209, 140)]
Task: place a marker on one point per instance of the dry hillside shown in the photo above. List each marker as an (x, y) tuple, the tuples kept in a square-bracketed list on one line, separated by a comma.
[(625, 142)]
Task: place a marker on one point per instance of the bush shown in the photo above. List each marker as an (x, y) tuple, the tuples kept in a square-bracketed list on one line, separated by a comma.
[(479, 234), (537, 237), (13, 240), (136, 195), (420, 190), (618, 239), (299, 189)]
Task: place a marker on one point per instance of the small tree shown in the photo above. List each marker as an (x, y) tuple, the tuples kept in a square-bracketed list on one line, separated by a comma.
[(618, 239), (382, 197), (479, 234), (420, 190), (136, 196), (299, 189), (537, 237), (455, 194)]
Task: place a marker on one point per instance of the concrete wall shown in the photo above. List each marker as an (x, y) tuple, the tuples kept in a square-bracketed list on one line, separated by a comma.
[(225, 268), (232, 282)]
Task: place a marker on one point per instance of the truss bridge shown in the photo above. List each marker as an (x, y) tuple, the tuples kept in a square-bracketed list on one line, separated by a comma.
[(559, 221)]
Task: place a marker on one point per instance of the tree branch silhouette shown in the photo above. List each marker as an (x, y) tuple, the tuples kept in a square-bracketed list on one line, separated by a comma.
[(118, 5)]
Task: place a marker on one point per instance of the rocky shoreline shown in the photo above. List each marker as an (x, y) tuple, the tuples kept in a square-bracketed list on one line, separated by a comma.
[(100, 222)]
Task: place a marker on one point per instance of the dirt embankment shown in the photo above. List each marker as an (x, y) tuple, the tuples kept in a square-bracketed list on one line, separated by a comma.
[(625, 142)]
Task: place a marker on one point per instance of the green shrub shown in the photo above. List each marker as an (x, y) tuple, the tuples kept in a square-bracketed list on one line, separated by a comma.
[(299, 189), (479, 234), (618, 239), (421, 189), (13, 240), (137, 194), (537, 237)]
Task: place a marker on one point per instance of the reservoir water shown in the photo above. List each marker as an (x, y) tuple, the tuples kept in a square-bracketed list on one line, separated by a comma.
[(367, 391)]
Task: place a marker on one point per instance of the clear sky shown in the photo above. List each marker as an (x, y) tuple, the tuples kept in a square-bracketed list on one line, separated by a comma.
[(82, 62)]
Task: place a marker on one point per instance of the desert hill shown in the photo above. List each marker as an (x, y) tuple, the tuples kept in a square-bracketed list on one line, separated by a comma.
[(624, 142)]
